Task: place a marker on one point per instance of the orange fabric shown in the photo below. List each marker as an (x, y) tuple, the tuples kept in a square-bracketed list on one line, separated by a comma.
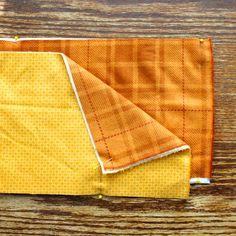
[(123, 133), (141, 97)]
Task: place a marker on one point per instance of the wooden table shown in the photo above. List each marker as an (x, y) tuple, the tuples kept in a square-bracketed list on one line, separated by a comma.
[(211, 210)]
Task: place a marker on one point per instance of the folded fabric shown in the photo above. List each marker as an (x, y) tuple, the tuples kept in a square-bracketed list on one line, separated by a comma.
[(69, 107)]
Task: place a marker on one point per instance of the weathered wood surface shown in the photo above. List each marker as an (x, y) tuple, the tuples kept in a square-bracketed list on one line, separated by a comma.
[(211, 210)]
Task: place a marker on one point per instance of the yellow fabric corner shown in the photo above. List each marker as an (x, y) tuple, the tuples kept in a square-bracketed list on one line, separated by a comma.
[(45, 145), (167, 177)]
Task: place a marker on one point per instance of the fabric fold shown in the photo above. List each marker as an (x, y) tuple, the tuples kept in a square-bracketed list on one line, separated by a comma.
[(45, 145), (170, 79), (124, 135)]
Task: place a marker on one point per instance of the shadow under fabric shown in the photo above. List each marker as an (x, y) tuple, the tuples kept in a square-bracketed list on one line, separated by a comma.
[(66, 131)]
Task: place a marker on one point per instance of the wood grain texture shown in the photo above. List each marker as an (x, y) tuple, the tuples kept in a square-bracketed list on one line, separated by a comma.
[(211, 210)]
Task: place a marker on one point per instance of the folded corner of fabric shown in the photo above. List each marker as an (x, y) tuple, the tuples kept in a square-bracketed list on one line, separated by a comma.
[(123, 135)]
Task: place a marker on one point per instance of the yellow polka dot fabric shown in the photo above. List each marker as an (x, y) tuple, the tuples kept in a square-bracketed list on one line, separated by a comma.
[(45, 146), (167, 177)]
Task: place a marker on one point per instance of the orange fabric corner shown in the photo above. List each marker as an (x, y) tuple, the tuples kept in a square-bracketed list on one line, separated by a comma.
[(123, 133), (141, 97)]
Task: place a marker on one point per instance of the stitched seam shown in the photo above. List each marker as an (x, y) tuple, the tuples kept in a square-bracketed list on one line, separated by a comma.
[(93, 110), (125, 131), (100, 174), (88, 52), (202, 168), (183, 86), (96, 118), (207, 129)]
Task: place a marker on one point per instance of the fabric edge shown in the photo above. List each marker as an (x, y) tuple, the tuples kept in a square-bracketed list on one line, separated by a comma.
[(81, 109), (213, 102), (18, 39)]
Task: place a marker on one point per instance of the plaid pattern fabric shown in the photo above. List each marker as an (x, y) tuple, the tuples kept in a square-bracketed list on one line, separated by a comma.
[(141, 97)]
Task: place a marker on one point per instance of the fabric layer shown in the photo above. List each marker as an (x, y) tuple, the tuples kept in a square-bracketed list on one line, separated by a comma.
[(124, 135), (170, 80), (45, 145)]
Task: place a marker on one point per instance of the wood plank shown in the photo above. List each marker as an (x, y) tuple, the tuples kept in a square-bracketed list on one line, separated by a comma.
[(211, 210)]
